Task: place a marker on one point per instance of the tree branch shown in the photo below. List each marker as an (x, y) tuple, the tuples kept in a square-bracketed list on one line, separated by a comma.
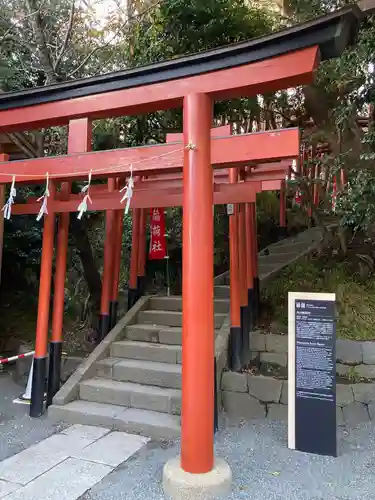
[(101, 47), (66, 39), (36, 24)]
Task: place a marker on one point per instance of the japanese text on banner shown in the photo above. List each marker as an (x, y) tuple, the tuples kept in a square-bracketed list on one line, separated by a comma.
[(158, 243)]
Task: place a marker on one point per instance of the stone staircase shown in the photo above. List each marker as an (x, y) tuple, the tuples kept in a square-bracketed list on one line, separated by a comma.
[(132, 380), (137, 388)]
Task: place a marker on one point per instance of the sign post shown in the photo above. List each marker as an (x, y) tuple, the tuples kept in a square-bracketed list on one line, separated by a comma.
[(312, 373)]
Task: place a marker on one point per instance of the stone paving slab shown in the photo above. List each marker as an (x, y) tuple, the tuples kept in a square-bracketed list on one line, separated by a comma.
[(65, 465), (6, 488), (112, 449), (29, 464), (67, 481)]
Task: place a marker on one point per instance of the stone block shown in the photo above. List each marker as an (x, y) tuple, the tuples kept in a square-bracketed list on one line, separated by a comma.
[(235, 382), (344, 395), (339, 417), (148, 373), (355, 413), (366, 371), (171, 336), (277, 343), (275, 358), (143, 333), (364, 393), (266, 389), (104, 367), (284, 393), (342, 370), (368, 352), (257, 341), (166, 318), (104, 390), (348, 352), (277, 412), (145, 351), (241, 405)]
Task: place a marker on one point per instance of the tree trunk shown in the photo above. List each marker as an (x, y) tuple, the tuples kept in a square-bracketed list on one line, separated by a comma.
[(90, 271)]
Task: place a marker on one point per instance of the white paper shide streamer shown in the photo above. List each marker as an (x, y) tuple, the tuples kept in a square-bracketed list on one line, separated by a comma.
[(7, 208), (44, 199), (82, 207), (128, 188)]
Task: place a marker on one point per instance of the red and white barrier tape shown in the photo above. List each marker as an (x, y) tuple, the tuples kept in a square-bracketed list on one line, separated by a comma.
[(14, 358)]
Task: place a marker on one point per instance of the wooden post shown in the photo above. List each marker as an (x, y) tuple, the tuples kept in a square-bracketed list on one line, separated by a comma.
[(253, 212), (197, 447), (41, 341), (282, 224), (133, 285), (141, 266), (108, 266), (235, 339), (245, 354), (79, 141), (119, 226), (250, 265), (3, 157)]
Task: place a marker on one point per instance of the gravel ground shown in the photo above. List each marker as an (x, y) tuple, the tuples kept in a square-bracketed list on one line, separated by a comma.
[(262, 465), (17, 430)]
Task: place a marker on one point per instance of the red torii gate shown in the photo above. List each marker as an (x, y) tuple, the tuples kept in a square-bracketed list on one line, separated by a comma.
[(153, 192), (280, 60)]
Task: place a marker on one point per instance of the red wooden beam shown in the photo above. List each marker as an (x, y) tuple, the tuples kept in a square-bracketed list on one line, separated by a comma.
[(215, 132), (289, 70), (172, 197), (263, 182), (226, 152)]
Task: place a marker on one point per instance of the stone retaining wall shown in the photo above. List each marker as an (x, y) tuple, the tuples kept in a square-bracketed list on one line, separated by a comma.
[(246, 396), (356, 359)]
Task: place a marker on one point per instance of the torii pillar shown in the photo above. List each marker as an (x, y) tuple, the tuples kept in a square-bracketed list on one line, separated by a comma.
[(197, 464), (133, 272), (79, 141)]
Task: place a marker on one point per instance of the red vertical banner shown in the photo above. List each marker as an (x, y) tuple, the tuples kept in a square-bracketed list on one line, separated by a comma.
[(158, 242)]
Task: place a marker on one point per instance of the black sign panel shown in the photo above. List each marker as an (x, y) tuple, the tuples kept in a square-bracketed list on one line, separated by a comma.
[(315, 405)]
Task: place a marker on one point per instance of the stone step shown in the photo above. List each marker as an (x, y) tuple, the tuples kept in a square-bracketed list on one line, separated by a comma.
[(167, 335), (222, 291), (155, 334), (144, 397), (141, 372), (170, 318), (175, 304), (148, 423), (146, 351)]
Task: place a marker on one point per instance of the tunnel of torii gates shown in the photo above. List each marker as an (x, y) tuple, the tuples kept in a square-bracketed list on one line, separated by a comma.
[(277, 61), (234, 186)]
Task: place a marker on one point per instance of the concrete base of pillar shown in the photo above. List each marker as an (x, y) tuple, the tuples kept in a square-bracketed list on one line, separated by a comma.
[(181, 485)]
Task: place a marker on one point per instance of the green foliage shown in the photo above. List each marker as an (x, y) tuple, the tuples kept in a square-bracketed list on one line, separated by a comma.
[(355, 299), (179, 27), (356, 204)]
